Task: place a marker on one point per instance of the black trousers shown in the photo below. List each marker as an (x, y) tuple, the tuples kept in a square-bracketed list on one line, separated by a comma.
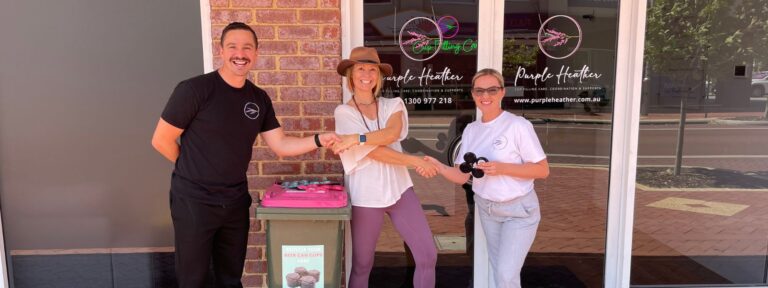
[(206, 233)]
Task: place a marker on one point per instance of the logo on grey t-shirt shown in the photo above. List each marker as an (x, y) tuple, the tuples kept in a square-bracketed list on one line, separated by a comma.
[(251, 110), (500, 143)]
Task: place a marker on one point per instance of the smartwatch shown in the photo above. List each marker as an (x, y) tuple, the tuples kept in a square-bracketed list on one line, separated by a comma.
[(362, 139)]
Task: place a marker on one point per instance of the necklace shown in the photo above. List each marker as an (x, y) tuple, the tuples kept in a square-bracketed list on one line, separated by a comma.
[(366, 104), (378, 125)]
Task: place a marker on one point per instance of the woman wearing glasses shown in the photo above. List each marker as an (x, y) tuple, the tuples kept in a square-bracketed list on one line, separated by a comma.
[(507, 203), (376, 170)]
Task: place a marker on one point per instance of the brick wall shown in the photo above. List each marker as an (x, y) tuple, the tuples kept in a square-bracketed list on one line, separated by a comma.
[(299, 48)]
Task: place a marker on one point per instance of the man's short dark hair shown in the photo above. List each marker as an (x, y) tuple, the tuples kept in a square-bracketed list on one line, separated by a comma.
[(239, 26)]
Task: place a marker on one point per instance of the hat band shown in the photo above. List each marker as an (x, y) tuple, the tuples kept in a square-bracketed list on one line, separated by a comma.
[(368, 61)]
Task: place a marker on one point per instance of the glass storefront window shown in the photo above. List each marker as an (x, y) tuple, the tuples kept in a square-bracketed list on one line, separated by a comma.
[(700, 214), (432, 47), (559, 61)]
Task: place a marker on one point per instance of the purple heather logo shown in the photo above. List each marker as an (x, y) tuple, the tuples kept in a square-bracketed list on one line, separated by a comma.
[(559, 37), (251, 110)]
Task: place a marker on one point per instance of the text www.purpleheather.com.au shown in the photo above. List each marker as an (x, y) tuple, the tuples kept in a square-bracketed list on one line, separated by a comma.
[(557, 100)]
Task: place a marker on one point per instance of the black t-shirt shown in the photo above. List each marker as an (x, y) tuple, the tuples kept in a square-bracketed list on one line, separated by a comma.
[(220, 124)]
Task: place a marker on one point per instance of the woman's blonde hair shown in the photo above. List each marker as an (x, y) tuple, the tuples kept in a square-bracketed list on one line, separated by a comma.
[(351, 84), (489, 72)]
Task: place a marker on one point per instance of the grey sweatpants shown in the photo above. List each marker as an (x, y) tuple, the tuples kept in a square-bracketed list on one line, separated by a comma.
[(510, 228)]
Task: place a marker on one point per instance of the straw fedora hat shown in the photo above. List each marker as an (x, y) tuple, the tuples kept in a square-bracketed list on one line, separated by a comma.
[(363, 55)]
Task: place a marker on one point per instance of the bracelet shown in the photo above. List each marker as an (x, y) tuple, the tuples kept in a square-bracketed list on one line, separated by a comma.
[(317, 141)]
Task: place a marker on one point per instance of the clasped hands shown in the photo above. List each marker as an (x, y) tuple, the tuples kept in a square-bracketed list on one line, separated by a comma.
[(340, 143)]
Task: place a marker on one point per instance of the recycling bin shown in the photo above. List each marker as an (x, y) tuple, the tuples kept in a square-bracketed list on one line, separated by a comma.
[(305, 234)]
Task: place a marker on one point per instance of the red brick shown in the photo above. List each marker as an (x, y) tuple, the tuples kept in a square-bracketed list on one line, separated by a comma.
[(281, 168), (271, 91), (298, 32), (332, 94), (331, 32), (253, 281), (261, 182), (257, 239), (277, 78), (299, 63), (330, 63), (265, 63), (216, 32), (312, 155), (320, 78), (254, 253), (329, 124), (263, 153), (217, 62), (296, 3), (264, 32), (320, 16), (287, 108), (302, 124), (328, 155), (298, 178), (323, 168), (253, 169), (299, 93), (329, 3), (319, 108), (216, 48), (225, 16), (278, 48), (251, 3), (321, 48), (275, 16), (255, 225), (219, 3), (257, 266)]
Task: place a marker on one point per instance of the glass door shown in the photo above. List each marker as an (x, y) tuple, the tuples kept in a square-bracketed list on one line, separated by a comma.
[(432, 46), (558, 60)]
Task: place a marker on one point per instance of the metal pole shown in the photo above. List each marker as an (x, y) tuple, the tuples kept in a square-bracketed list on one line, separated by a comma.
[(681, 133)]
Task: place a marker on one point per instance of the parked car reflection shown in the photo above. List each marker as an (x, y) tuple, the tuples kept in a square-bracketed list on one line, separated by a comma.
[(759, 83)]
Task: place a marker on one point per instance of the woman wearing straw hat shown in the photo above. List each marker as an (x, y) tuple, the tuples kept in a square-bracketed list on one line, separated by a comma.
[(371, 129)]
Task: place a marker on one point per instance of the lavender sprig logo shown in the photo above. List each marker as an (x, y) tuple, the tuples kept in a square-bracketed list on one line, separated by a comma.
[(554, 37), (420, 40)]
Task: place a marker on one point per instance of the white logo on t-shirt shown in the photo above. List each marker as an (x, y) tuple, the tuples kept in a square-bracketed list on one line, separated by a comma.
[(251, 110), (500, 143)]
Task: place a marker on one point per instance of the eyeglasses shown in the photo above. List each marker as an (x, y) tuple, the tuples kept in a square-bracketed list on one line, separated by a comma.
[(492, 91)]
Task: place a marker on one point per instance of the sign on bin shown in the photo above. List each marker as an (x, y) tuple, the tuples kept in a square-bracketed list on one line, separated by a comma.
[(303, 266)]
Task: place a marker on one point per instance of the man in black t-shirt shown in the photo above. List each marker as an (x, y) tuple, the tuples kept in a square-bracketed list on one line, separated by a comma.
[(218, 116)]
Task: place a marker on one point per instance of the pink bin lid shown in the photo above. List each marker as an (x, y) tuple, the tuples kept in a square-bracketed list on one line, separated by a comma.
[(309, 196)]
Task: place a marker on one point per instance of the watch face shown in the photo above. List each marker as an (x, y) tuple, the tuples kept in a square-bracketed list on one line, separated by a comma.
[(362, 139)]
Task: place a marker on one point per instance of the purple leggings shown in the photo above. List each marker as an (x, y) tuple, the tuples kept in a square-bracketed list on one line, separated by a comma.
[(410, 222)]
